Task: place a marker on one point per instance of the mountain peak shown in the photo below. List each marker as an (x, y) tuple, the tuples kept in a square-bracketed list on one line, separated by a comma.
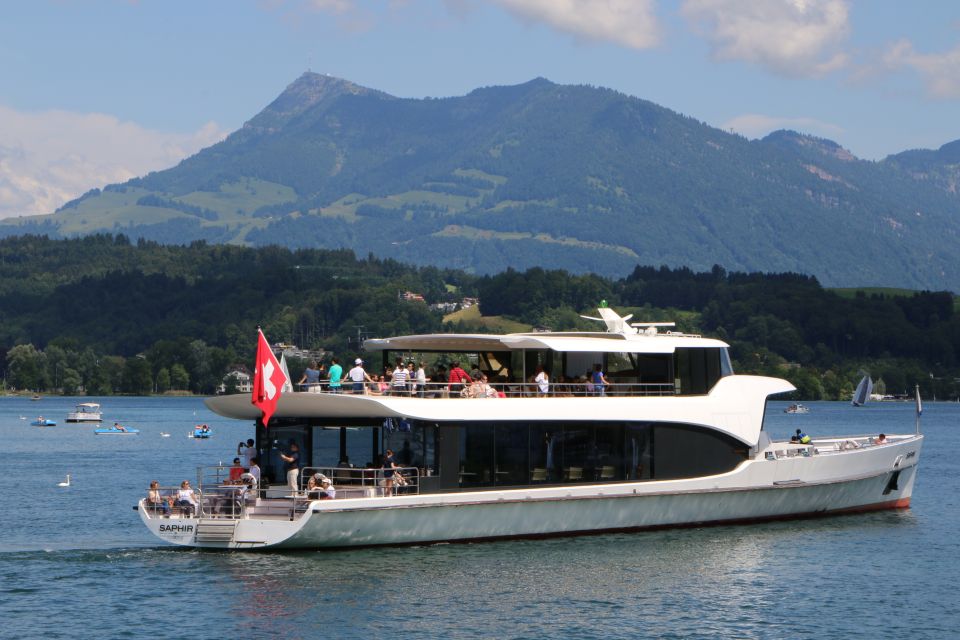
[(304, 93), (823, 146)]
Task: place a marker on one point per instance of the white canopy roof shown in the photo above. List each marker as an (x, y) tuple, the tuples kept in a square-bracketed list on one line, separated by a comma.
[(583, 342)]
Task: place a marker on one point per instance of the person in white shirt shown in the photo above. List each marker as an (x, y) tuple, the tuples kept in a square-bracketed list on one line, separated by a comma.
[(357, 375), (248, 450), (186, 498), (421, 380), (254, 470), (543, 381)]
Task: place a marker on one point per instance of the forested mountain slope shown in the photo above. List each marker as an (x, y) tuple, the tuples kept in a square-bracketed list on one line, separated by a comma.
[(540, 174)]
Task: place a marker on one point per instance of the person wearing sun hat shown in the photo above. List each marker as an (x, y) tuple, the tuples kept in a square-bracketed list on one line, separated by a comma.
[(357, 376)]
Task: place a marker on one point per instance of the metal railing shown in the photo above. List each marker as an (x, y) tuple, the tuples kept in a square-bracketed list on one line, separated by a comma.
[(495, 389), (365, 483)]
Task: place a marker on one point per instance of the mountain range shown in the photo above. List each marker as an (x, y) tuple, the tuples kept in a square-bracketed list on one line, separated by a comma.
[(541, 174)]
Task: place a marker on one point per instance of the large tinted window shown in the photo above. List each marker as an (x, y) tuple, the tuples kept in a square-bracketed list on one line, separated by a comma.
[(520, 454), (696, 370)]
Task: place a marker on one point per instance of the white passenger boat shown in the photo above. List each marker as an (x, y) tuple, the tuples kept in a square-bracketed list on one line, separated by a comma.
[(667, 436), (85, 412)]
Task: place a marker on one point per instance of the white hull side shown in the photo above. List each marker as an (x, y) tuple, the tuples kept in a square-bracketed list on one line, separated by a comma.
[(757, 490)]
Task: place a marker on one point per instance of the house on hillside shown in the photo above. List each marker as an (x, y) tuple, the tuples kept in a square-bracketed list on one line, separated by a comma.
[(410, 296), (238, 378)]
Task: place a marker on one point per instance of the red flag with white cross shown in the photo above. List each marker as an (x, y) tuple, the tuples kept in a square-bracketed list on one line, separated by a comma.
[(268, 379)]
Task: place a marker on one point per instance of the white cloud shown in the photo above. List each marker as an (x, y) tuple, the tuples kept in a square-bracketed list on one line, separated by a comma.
[(792, 37), (940, 71), (755, 125), (630, 23), (50, 157)]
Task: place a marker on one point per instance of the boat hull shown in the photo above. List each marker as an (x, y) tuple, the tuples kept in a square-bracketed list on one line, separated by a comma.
[(879, 478)]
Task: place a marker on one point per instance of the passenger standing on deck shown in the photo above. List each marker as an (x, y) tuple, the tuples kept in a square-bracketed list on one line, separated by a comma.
[(357, 377), (399, 381), (311, 377), (293, 464), (336, 373), (421, 380), (388, 470), (248, 451), (543, 381), (456, 379), (599, 381)]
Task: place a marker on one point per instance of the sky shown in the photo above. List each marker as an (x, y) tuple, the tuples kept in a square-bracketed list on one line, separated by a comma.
[(94, 92)]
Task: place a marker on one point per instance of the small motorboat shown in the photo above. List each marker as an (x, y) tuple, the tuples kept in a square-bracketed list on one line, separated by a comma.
[(85, 412), (36, 397), (44, 422), (116, 430), (797, 408), (201, 431)]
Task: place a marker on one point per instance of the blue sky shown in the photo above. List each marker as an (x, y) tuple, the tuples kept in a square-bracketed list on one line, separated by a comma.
[(98, 91)]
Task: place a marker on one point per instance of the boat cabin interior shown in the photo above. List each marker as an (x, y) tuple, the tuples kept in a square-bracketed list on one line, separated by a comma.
[(680, 371), (476, 455)]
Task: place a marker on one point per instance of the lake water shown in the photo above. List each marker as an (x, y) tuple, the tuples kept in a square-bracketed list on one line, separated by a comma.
[(77, 562)]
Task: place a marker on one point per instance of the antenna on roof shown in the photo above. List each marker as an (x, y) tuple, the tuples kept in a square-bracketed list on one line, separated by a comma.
[(615, 324), (650, 328)]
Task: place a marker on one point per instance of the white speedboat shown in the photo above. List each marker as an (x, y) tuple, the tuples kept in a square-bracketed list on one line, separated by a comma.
[(661, 433), (85, 412), (797, 408)]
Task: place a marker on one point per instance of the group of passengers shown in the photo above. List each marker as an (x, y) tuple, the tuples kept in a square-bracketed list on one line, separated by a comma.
[(410, 378), (241, 484)]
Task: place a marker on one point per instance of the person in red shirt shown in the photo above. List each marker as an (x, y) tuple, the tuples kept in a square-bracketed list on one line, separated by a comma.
[(236, 471), (456, 378)]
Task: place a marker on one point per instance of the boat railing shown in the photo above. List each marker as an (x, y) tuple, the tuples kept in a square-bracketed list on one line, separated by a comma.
[(827, 446), (495, 389), (365, 483)]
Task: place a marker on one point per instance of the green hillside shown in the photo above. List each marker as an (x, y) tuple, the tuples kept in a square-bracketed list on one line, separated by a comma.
[(539, 174)]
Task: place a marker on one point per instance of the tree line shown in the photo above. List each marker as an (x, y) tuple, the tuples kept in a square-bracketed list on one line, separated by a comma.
[(102, 314)]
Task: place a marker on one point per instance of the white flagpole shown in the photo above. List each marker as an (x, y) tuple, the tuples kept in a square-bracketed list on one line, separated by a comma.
[(919, 408)]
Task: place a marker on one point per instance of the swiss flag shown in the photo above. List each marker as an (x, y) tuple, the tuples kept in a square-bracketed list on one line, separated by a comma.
[(268, 379)]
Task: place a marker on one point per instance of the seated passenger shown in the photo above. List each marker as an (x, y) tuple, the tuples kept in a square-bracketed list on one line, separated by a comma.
[(327, 491), (802, 438), (236, 470), (186, 498), (155, 501), (313, 486), (881, 439)]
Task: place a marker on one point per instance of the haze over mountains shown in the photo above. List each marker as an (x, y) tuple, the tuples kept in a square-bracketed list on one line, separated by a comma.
[(540, 174)]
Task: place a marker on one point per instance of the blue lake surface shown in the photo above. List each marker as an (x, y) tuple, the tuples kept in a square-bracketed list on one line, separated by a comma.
[(76, 562)]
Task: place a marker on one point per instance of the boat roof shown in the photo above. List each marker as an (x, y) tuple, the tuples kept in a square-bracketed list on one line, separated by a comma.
[(89, 405), (586, 341)]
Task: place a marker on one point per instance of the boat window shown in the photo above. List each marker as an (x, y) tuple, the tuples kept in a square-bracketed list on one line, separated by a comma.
[(683, 451), (726, 366), (414, 443), (477, 462), (514, 454), (696, 370), (276, 440)]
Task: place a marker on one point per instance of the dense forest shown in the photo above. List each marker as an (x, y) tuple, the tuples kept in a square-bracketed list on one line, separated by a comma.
[(103, 315)]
